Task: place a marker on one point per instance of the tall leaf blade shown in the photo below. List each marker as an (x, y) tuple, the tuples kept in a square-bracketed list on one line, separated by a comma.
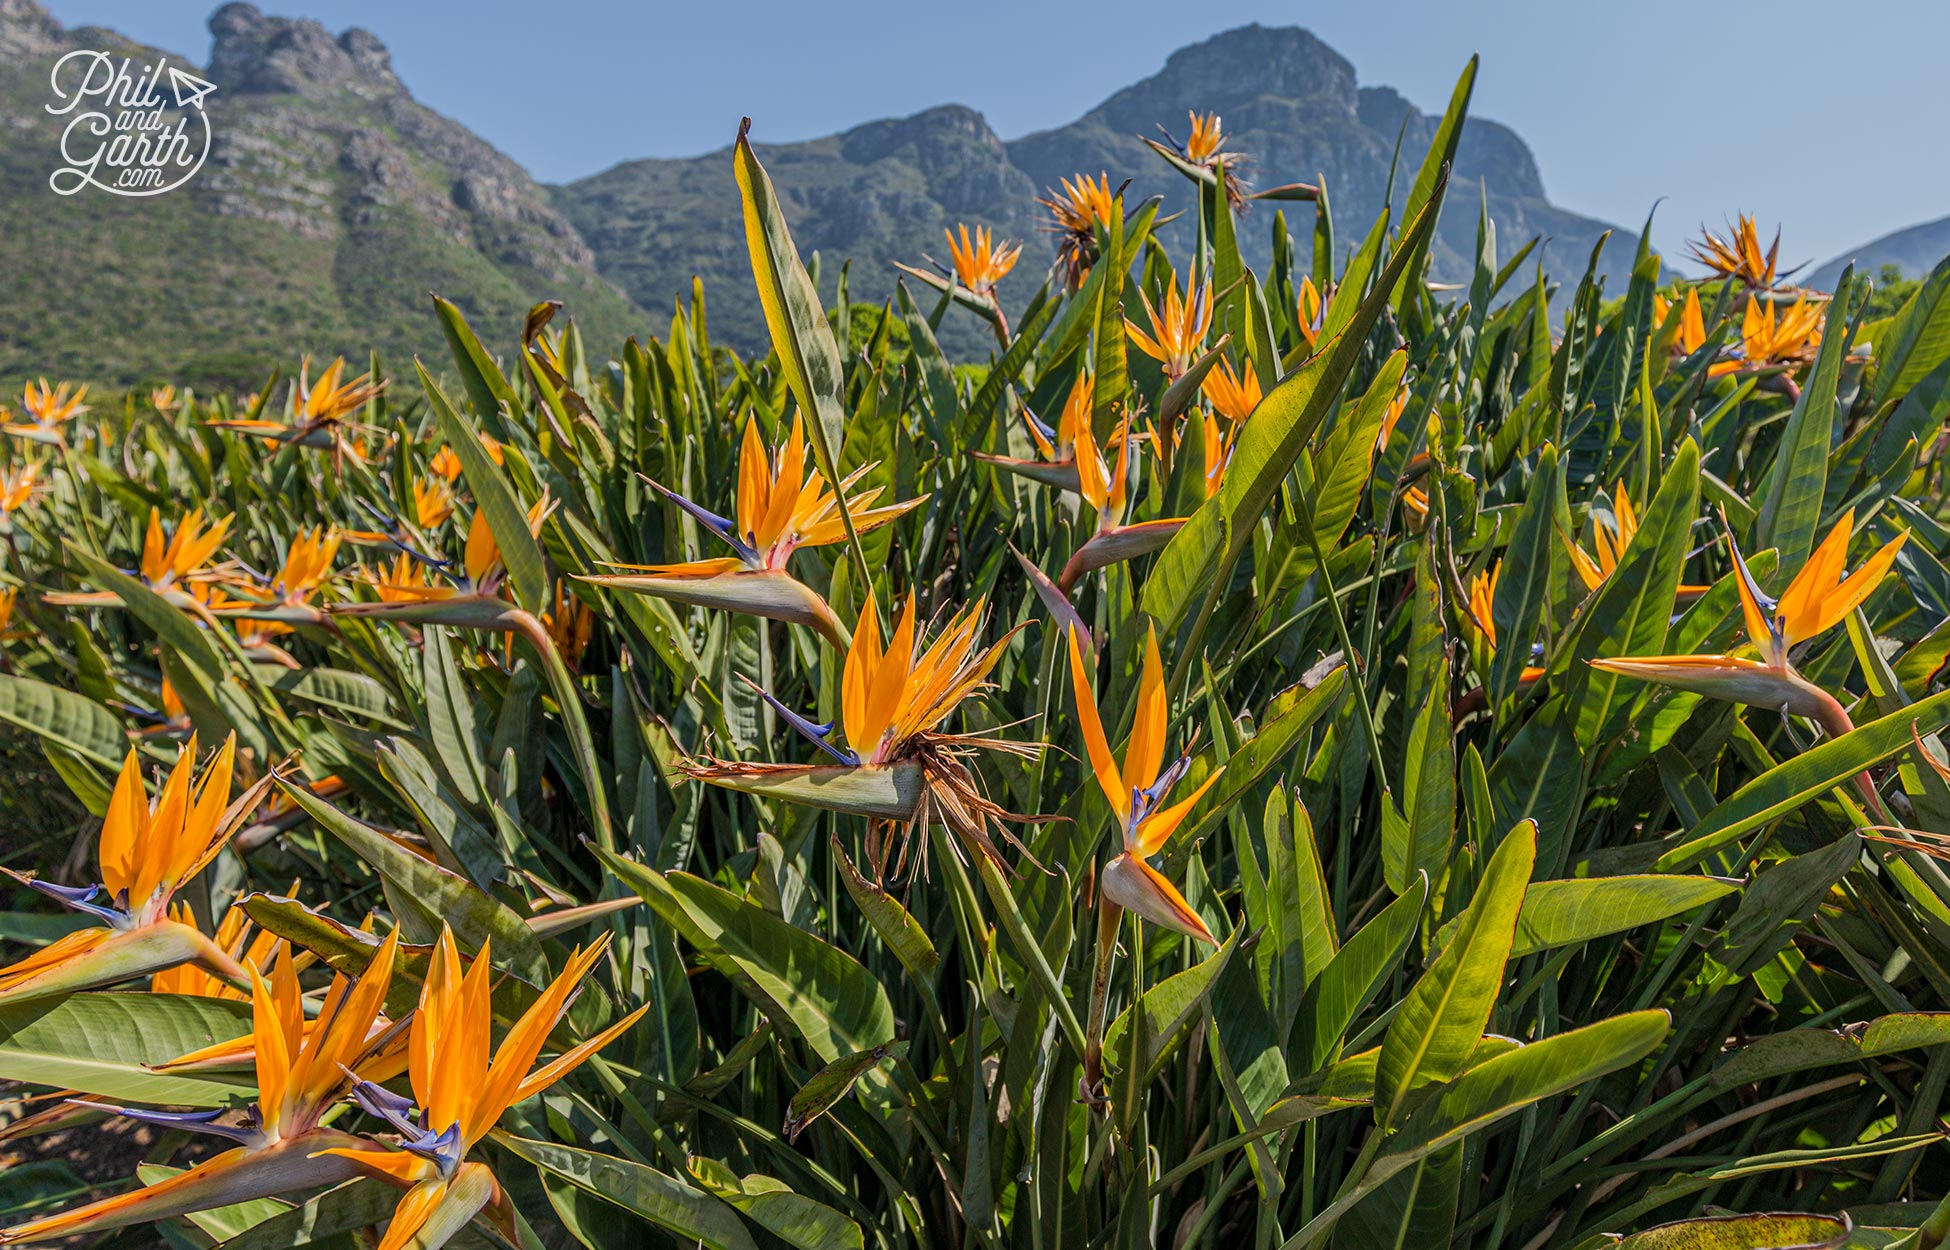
[(1443, 1017)]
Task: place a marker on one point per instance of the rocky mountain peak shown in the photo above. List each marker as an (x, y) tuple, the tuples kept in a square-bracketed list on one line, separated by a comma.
[(954, 125), (1234, 68), (283, 55), (27, 30)]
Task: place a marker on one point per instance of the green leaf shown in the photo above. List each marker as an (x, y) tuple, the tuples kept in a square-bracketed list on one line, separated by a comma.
[(1110, 366), (101, 1043), (1429, 179), (1583, 909), (893, 922), (507, 519), (1168, 1007), (1421, 838), (1268, 447), (64, 718), (1351, 980), (476, 916), (804, 985), (1628, 615), (1493, 1090), (1434, 1033), (1507, 1082), (345, 691), (1790, 784), (220, 1223), (326, 1218), (1523, 583), (1797, 479), (1784, 1230), (1291, 714), (1913, 342), (771, 1204), (450, 717), (1782, 898), (177, 631), (1798, 1050), (672, 1204), (832, 1083), (801, 334), (486, 386)]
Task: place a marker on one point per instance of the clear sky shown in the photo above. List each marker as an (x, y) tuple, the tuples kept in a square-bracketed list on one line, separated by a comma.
[(1830, 120)]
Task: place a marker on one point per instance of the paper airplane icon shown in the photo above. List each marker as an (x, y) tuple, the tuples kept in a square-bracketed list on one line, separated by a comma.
[(189, 89)]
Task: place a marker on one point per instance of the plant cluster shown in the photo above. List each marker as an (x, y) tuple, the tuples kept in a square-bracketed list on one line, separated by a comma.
[(1288, 759)]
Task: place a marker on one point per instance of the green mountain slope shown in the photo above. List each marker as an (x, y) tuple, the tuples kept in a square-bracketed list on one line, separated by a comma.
[(331, 204)]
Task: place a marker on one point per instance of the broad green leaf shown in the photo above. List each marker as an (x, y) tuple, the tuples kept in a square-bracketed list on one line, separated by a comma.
[(477, 917), (1419, 841), (672, 1204), (1494, 1090), (1292, 713), (326, 1218), (1439, 1023), (101, 1044), (832, 1083), (1628, 614), (1782, 898), (64, 718), (486, 386), (494, 494), (221, 1223), (1523, 582), (1168, 1007), (1268, 447), (1790, 513), (1109, 365), (1793, 782), (1913, 342), (771, 1204), (346, 691), (1351, 980), (1507, 1082), (1798, 1050), (801, 982), (168, 622), (893, 922), (450, 717), (1429, 179), (1583, 909), (801, 334), (1784, 1230)]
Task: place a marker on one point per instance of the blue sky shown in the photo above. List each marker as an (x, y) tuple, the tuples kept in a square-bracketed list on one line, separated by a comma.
[(1826, 119)]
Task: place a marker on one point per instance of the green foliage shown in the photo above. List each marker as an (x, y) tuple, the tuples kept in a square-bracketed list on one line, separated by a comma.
[(1516, 941)]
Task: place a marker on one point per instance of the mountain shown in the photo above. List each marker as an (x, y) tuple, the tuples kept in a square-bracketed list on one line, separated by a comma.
[(883, 192), (1915, 251), (331, 203), (877, 194)]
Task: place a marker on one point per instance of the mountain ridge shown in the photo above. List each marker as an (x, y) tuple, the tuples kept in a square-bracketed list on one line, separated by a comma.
[(1915, 250), (883, 191), (340, 200)]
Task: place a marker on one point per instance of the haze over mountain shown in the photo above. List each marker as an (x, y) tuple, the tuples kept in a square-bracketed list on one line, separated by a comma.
[(884, 191), (333, 201), (1915, 250)]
